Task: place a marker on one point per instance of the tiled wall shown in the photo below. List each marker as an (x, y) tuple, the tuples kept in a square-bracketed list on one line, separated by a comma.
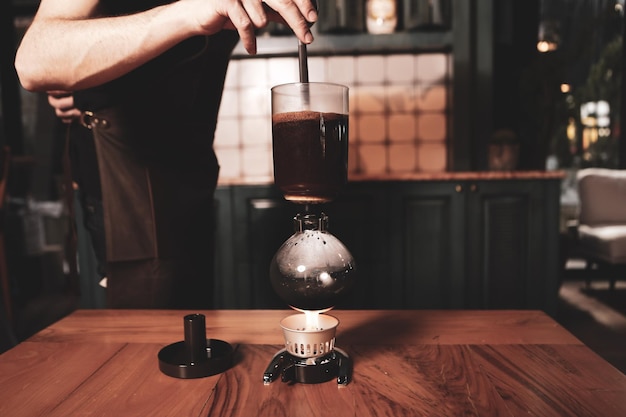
[(399, 110)]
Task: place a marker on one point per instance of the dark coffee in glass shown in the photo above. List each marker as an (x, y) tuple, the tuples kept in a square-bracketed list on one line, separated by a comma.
[(310, 141), (310, 155)]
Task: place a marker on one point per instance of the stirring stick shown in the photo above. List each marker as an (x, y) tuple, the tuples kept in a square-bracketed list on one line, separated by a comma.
[(304, 74), (303, 66), (303, 62)]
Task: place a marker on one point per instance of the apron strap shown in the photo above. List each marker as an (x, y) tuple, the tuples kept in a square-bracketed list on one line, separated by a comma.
[(71, 241)]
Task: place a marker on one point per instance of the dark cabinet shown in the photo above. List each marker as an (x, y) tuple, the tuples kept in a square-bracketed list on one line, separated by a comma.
[(475, 244), (252, 222), (512, 244), (419, 244), (427, 247)]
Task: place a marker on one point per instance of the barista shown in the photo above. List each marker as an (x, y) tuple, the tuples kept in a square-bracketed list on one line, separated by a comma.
[(148, 77)]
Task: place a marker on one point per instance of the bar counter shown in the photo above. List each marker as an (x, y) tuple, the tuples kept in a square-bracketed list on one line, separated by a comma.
[(406, 363), (424, 176)]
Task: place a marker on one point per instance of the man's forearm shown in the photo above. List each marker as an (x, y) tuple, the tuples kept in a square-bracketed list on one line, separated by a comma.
[(68, 47), (72, 54)]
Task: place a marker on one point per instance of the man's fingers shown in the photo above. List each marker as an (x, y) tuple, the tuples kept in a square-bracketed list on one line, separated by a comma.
[(248, 15), (67, 115), (256, 12), (297, 14), (244, 25), (63, 104), (59, 93)]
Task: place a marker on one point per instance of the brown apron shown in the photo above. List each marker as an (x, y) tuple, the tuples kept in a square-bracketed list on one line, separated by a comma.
[(158, 174)]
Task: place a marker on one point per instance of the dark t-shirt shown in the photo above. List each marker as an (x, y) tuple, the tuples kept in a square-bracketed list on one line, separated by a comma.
[(178, 89), (84, 163)]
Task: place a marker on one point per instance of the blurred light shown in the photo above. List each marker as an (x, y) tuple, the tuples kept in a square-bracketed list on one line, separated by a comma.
[(604, 121), (325, 277), (548, 37), (566, 88), (571, 129), (588, 121), (603, 108), (544, 46), (596, 121)]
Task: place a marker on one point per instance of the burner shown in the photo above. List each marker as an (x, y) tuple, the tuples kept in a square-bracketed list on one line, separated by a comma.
[(309, 355)]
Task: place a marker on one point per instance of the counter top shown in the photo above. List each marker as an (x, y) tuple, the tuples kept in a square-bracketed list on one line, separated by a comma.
[(409, 362), (464, 176), (429, 176)]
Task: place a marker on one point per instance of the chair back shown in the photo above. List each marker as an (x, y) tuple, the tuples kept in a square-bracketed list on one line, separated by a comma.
[(602, 194)]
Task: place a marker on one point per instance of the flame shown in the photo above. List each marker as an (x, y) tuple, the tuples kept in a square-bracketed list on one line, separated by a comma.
[(312, 320)]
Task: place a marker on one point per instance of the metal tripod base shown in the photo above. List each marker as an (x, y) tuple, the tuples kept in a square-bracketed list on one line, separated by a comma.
[(336, 364)]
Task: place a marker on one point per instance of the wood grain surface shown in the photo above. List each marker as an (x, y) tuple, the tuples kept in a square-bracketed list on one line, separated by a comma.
[(355, 326), (406, 363)]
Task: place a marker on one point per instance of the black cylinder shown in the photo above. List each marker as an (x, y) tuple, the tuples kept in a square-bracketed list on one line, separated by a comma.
[(195, 337)]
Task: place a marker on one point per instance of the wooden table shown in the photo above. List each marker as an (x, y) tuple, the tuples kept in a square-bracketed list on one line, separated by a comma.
[(413, 363)]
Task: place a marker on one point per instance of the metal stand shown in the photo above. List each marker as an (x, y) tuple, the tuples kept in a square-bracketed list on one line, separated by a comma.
[(337, 364)]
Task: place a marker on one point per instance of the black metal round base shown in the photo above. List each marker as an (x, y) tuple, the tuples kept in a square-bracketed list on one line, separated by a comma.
[(175, 360), (292, 369)]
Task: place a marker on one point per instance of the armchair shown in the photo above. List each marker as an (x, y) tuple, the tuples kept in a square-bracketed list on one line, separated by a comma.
[(602, 221)]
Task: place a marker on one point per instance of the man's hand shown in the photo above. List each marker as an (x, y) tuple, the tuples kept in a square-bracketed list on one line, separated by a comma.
[(246, 16), (63, 104)]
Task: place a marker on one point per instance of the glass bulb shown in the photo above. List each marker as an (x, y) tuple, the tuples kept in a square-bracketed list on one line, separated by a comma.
[(312, 270)]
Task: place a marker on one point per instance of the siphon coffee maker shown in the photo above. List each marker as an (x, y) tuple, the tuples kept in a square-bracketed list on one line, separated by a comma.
[(312, 270)]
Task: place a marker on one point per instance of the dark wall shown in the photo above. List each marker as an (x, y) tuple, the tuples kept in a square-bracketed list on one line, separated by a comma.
[(526, 83), (515, 93), (10, 119)]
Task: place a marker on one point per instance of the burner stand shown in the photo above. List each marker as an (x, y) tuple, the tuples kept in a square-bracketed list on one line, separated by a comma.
[(292, 369)]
